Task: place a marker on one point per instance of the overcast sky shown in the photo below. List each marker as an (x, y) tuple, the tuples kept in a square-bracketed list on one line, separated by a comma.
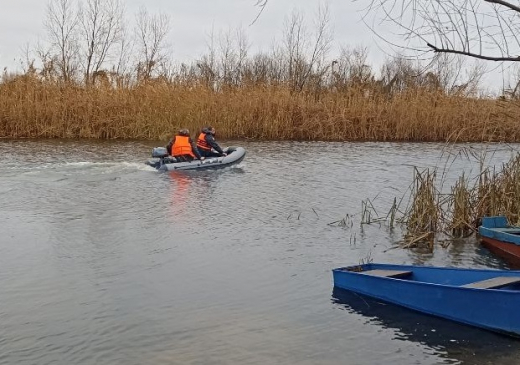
[(21, 23)]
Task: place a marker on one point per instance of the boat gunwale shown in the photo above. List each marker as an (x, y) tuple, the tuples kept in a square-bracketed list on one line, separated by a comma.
[(415, 282), (499, 234)]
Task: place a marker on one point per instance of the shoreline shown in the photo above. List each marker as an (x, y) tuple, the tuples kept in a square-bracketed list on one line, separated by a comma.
[(236, 139)]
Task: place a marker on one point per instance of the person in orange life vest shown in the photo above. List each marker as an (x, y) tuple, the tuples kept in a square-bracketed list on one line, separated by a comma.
[(183, 148), (206, 142)]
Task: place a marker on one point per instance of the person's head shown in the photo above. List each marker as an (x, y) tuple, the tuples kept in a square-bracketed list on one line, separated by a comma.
[(211, 130), (184, 132)]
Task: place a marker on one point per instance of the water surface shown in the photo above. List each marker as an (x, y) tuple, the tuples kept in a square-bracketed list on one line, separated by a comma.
[(106, 261)]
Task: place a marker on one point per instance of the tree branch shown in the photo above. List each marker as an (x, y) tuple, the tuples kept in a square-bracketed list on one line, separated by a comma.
[(505, 3), (481, 29), (261, 4), (470, 54)]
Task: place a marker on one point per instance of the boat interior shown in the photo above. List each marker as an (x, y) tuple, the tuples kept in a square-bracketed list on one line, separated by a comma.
[(474, 279)]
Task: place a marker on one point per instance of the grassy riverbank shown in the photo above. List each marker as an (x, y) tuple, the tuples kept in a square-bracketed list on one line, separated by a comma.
[(35, 108)]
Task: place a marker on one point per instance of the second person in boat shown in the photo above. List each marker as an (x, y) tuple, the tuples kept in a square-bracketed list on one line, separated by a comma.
[(207, 145), (183, 148)]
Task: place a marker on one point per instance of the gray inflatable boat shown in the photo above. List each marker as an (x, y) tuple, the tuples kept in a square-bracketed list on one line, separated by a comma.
[(163, 162)]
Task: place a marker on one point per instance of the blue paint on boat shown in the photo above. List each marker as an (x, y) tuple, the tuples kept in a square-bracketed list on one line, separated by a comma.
[(498, 228), (441, 292), (414, 326)]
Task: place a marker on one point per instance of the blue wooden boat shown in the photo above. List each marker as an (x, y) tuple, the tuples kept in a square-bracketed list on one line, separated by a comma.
[(498, 228), (482, 298), (501, 238)]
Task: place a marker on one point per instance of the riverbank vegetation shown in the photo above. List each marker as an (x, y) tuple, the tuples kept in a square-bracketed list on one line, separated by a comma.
[(438, 209), (97, 79)]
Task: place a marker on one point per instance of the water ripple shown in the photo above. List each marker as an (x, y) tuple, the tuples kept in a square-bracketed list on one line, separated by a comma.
[(106, 261)]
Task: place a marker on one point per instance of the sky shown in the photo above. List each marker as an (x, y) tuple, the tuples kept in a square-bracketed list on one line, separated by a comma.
[(21, 23), (192, 21)]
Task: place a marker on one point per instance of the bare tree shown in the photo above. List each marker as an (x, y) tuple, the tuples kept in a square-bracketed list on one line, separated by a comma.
[(207, 65), (321, 46), (351, 68), (294, 39), (102, 27), (455, 75), (151, 32), (305, 54), (123, 51), (242, 47), (62, 23), (27, 62), (233, 47), (228, 57), (512, 90), (483, 29)]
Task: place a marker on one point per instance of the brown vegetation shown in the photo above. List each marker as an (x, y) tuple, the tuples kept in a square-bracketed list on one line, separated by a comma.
[(30, 107), (457, 214), (291, 92)]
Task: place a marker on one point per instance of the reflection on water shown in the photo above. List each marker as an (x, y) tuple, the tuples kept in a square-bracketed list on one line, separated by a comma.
[(455, 342), (106, 261), (179, 190)]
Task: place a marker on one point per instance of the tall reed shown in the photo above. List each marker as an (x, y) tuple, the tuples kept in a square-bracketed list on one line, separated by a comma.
[(461, 203), (35, 108), (495, 191), (423, 214)]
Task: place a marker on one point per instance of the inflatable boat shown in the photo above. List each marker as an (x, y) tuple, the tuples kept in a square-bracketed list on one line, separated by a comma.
[(163, 162)]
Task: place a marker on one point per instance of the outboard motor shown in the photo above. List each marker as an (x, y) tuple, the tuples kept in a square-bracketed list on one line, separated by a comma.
[(159, 152)]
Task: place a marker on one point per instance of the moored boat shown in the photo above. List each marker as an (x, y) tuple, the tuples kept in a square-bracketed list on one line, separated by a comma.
[(509, 252), (163, 162), (499, 229), (501, 238), (479, 297)]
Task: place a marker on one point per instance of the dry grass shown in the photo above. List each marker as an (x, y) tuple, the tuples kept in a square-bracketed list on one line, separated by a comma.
[(498, 192), (32, 108), (461, 203), (422, 216), (495, 191)]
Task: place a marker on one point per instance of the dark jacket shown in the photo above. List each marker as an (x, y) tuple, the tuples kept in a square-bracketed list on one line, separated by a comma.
[(211, 141), (192, 143)]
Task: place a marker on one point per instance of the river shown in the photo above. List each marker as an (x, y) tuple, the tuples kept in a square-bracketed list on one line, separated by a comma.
[(107, 261)]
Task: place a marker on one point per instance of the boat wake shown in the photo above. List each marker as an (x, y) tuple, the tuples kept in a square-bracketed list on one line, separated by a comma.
[(74, 168), (108, 167)]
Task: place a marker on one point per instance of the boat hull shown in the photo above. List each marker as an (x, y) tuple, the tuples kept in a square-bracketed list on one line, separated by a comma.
[(235, 156), (443, 294), (497, 228), (507, 251)]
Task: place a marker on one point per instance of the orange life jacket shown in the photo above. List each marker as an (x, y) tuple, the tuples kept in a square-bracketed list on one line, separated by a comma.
[(182, 146), (202, 144)]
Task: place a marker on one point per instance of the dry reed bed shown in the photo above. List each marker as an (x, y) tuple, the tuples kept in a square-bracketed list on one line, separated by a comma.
[(31, 108), (495, 191)]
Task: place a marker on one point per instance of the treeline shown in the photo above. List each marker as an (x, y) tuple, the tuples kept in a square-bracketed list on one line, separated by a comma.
[(96, 78)]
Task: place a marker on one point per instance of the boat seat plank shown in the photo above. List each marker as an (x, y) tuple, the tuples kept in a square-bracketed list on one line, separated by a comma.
[(492, 283), (387, 273)]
